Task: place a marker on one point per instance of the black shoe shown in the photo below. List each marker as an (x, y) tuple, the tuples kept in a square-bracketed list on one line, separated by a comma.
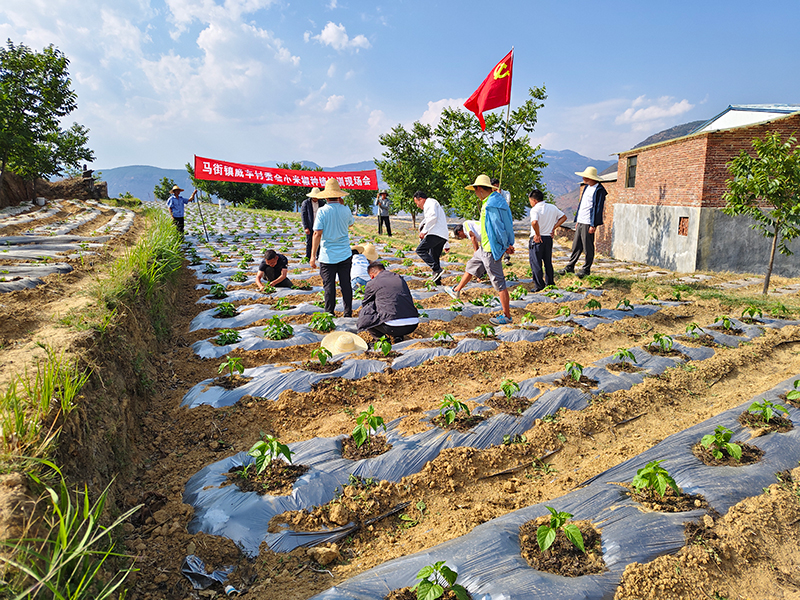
[(565, 271), (397, 340)]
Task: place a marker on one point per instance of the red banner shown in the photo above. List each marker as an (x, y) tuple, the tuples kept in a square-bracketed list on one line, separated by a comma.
[(219, 170)]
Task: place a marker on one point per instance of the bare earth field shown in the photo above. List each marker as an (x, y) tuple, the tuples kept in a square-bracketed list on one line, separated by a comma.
[(753, 551)]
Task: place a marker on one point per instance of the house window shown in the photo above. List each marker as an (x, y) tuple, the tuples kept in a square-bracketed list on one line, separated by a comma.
[(630, 180), (683, 226)]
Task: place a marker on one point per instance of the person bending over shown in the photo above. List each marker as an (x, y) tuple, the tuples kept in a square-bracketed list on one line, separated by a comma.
[(388, 308)]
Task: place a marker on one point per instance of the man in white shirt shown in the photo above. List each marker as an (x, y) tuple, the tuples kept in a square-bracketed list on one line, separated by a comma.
[(544, 219), (589, 217), (433, 233)]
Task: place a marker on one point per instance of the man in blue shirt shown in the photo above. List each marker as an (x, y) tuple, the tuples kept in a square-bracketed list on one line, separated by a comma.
[(332, 239), (175, 204)]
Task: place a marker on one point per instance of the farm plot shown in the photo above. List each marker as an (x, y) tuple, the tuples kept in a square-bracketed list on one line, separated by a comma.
[(606, 386), (37, 242)]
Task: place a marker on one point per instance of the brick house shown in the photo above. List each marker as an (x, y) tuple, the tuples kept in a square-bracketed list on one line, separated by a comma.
[(663, 210)]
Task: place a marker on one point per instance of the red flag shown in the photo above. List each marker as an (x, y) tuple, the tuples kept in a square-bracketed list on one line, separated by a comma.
[(494, 91)]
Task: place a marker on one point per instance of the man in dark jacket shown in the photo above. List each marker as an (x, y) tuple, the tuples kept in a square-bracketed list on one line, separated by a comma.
[(587, 219), (308, 212), (388, 308)]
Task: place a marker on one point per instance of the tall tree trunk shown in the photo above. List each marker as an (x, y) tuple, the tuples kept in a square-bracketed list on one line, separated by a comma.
[(414, 220), (771, 258)]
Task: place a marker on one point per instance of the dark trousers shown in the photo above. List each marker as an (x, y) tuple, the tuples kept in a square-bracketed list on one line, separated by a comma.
[(582, 242), (430, 249), (178, 224), (539, 254), (329, 273), (381, 221), (309, 244), (396, 333)]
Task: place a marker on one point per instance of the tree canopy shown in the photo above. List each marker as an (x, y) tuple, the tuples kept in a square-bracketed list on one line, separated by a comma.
[(163, 188), (442, 161), (766, 187), (35, 95)]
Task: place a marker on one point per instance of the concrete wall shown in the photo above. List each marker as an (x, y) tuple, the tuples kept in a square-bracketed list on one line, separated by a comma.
[(729, 244), (649, 234), (714, 241)]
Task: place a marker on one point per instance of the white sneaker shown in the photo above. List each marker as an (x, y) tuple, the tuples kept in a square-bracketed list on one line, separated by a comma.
[(455, 295)]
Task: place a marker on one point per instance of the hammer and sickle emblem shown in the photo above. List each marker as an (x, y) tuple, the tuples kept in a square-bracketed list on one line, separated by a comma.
[(501, 71)]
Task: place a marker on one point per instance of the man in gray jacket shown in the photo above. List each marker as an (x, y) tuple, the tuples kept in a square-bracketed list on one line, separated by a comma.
[(388, 308), (384, 205)]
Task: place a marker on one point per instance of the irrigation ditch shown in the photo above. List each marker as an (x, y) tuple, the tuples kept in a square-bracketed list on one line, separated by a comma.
[(157, 414)]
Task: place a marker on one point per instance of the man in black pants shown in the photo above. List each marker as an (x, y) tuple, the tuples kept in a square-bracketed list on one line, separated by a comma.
[(388, 308), (274, 268), (384, 206), (433, 234), (587, 219), (308, 212)]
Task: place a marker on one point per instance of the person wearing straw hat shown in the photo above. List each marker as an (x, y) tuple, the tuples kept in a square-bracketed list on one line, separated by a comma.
[(433, 234), (332, 239), (362, 256), (388, 307), (588, 218), (342, 342), (175, 204), (308, 212), (497, 238), (384, 205)]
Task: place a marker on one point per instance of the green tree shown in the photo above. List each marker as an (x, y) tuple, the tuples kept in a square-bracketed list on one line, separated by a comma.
[(466, 152), (162, 189), (766, 187), (252, 195), (35, 96), (409, 164), (361, 201)]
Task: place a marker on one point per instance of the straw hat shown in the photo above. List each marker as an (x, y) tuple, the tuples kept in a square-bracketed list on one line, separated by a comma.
[(481, 181), (313, 193), (590, 173), (367, 250), (339, 342), (175, 188), (332, 190)]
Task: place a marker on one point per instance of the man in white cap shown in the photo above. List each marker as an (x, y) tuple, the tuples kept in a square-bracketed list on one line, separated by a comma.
[(588, 218), (384, 205), (175, 204), (308, 212), (332, 239)]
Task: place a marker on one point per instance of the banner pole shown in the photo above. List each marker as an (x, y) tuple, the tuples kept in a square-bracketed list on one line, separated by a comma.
[(202, 220), (505, 132)]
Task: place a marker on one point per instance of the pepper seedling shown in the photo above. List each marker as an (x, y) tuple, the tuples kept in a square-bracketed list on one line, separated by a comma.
[(435, 580), (232, 363), (267, 450), (546, 534), (367, 422), (654, 477), (322, 322), (227, 336), (449, 407), (574, 370), (766, 409), (720, 443), (322, 354)]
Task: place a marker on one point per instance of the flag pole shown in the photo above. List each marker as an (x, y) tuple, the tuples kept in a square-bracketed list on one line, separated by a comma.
[(505, 132)]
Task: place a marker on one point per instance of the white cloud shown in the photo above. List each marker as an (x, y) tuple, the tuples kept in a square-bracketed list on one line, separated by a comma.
[(332, 4), (434, 112), (336, 37), (334, 103), (643, 112), (332, 70)]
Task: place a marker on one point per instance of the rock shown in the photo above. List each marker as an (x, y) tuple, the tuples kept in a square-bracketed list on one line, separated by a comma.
[(323, 555), (510, 486), (339, 514), (141, 547), (161, 516), (191, 548), (708, 521)]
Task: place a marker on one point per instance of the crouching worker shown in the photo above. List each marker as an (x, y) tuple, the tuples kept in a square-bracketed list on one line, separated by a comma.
[(388, 308), (274, 268), (359, 272)]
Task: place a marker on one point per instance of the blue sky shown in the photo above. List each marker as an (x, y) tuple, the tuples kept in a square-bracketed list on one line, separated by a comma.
[(260, 80)]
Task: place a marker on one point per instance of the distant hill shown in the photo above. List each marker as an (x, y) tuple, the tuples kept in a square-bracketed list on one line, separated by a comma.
[(559, 175), (671, 133)]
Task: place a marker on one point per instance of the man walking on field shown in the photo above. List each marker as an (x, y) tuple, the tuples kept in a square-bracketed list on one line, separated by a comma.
[(497, 238), (433, 233), (544, 219)]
